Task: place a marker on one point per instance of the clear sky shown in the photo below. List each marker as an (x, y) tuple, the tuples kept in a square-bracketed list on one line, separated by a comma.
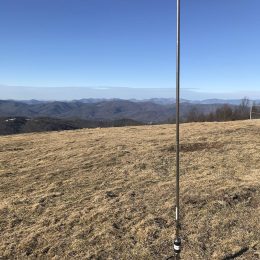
[(130, 43)]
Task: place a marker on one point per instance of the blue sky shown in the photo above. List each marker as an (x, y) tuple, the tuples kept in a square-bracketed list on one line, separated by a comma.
[(130, 43)]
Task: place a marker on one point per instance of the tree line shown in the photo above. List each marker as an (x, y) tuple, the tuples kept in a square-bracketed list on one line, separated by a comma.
[(224, 113)]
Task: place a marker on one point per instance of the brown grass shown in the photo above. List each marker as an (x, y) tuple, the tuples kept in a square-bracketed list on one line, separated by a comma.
[(109, 193)]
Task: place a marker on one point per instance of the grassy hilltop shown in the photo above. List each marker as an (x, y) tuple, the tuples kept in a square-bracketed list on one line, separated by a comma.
[(109, 193)]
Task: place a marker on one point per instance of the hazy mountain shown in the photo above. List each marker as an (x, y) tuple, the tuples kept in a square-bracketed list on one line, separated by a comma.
[(160, 101), (145, 111), (221, 101), (167, 101), (34, 102)]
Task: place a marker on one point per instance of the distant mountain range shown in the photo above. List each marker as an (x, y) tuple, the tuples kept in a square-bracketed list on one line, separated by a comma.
[(146, 111), (37, 116), (160, 101), (167, 101)]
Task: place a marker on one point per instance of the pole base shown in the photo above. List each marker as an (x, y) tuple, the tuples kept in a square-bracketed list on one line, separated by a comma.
[(177, 246)]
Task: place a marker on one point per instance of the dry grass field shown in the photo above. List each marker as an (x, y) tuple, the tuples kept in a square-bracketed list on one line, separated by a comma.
[(109, 193)]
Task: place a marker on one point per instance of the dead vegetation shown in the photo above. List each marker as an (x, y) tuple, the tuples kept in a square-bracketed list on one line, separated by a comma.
[(109, 193)]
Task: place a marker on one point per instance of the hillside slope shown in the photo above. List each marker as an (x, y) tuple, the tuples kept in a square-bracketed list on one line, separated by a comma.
[(109, 193), (18, 125)]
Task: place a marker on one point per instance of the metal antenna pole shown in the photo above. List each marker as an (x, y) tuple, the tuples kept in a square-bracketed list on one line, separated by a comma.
[(177, 242)]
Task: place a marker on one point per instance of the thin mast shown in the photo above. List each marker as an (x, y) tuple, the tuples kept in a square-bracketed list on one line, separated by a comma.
[(177, 242)]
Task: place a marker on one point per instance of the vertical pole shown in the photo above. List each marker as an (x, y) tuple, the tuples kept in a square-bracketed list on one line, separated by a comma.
[(177, 242)]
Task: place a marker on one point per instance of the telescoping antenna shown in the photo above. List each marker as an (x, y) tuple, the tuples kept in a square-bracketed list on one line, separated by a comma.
[(177, 241)]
